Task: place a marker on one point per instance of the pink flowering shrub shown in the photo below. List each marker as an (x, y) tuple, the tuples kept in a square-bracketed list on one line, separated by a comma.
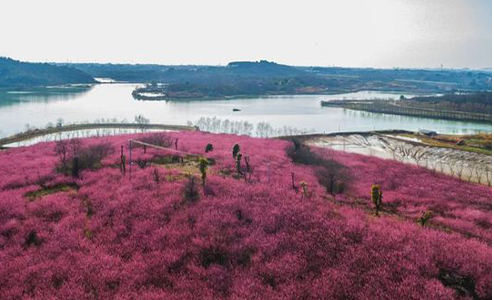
[(114, 237), (408, 191)]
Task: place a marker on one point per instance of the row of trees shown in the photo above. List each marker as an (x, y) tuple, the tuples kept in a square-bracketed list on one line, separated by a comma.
[(479, 102), (261, 129), (75, 157)]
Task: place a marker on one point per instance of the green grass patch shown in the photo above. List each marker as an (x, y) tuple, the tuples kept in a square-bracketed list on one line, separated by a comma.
[(51, 190), (473, 144)]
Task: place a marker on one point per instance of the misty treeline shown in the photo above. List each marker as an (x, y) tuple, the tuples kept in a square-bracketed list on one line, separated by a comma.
[(16, 74), (261, 129)]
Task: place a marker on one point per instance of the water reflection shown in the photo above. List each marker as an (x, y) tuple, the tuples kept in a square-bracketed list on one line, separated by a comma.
[(45, 94), (115, 101)]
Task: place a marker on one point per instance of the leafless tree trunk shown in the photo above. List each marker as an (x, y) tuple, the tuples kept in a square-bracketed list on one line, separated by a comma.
[(488, 176), (459, 170), (478, 175)]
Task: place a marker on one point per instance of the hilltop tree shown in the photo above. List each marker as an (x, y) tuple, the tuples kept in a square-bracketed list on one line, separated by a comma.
[(203, 167), (239, 164), (377, 197), (62, 150), (190, 191), (235, 150)]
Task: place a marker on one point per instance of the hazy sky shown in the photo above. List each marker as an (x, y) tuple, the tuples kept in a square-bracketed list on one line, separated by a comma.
[(357, 33)]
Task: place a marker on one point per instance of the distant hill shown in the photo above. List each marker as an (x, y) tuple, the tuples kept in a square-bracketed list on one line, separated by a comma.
[(187, 73), (262, 68), (348, 79), (14, 73)]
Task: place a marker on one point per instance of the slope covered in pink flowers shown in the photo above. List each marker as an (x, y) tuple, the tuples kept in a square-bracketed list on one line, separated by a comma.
[(106, 236)]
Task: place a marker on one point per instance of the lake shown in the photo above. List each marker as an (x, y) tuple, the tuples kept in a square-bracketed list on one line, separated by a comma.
[(114, 101)]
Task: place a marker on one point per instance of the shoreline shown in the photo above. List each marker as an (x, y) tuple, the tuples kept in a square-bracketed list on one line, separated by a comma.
[(465, 165), (23, 136), (382, 107)]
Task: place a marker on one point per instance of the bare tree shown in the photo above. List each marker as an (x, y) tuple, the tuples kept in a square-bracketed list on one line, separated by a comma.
[(62, 149), (417, 154), (441, 167), (459, 170), (75, 146), (488, 176), (451, 172), (142, 121), (478, 175), (469, 176)]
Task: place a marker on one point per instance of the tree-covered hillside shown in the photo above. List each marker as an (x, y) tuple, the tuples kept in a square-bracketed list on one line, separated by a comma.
[(240, 75), (14, 73)]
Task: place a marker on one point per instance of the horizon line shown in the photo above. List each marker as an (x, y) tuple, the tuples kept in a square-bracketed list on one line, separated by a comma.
[(225, 65)]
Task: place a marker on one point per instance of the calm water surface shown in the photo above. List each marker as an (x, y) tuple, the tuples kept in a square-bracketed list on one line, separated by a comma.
[(114, 101)]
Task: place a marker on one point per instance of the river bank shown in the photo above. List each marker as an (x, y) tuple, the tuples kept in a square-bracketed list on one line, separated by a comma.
[(466, 165), (473, 107), (32, 134)]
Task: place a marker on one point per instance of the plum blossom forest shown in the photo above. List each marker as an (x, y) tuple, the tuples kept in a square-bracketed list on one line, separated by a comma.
[(200, 218)]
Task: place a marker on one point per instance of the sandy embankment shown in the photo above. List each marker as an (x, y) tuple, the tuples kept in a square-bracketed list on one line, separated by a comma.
[(469, 166)]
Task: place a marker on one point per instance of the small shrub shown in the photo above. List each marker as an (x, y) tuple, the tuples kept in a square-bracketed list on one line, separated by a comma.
[(91, 156), (245, 256), (86, 158), (426, 216), (142, 163), (203, 167), (305, 189), (88, 234), (156, 175), (32, 239), (67, 150), (209, 148), (377, 197), (330, 173), (301, 154), (213, 255), (209, 191), (248, 168), (211, 161), (62, 149), (74, 146), (333, 176), (75, 167), (190, 191), (238, 164), (158, 139)]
